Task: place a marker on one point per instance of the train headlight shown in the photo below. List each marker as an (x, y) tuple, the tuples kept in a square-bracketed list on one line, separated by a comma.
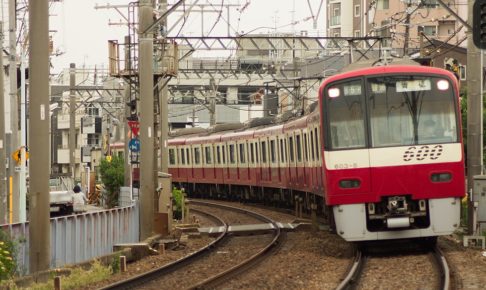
[(349, 183), (333, 92), (441, 177), (442, 85)]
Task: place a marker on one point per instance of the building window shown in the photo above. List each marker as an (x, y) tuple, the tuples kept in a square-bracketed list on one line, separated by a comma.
[(428, 30), (430, 3), (357, 33), (357, 11), (336, 14), (383, 4), (462, 72)]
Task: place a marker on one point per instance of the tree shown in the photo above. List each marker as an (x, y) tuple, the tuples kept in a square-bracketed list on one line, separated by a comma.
[(112, 176)]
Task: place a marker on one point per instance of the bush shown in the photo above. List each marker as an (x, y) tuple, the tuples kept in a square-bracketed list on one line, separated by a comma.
[(177, 199), (112, 175), (7, 256)]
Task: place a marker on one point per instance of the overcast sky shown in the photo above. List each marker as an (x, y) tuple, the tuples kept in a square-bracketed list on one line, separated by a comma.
[(82, 32)]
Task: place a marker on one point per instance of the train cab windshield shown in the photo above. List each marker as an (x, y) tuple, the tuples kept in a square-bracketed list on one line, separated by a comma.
[(392, 110)]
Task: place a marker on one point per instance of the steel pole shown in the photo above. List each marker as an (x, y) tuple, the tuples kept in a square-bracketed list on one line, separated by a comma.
[(72, 120), (39, 227), (474, 117), (145, 70), (3, 173), (13, 142)]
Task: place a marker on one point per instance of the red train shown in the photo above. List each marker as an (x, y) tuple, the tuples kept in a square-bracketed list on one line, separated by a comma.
[(382, 155)]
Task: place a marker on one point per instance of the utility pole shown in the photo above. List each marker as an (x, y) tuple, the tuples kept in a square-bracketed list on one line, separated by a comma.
[(212, 102), (145, 71), (3, 175), (13, 142), (474, 116), (164, 107), (128, 93), (407, 28), (39, 227), (72, 120)]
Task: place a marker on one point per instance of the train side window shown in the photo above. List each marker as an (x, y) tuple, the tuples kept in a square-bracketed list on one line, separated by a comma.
[(242, 153), (223, 154), (273, 158), (298, 144), (197, 155), (207, 153), (264, 151), (172, 159), (232, 158), (182, 156), (316, 136), (306, 155), (218, 154), (291, 148), (282, 150), (257, 158), (188, 155), (252, 154), (313, 154), (286, 157)]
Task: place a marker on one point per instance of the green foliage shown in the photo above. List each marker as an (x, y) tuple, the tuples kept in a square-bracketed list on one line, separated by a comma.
[(115, 264), (177, 198), (463, 95), (79, 278), (112, 176), (7, 256)]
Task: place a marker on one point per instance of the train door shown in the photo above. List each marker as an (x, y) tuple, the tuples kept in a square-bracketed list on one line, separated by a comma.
[(305, 157), (312, 157), (173, 164), (273, 160), (242, 162), (208, 168), (218, 167), (292, 160), (251, 163), (264, 159), (224, 159), (232, 162), (282, 161), (319, 160), (197, 164), (190, 168)]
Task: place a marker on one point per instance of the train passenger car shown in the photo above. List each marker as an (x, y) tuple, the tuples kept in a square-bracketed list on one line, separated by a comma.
[(393, 155)]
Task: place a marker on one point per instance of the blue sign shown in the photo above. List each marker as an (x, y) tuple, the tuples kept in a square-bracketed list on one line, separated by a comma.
[(134, 145)]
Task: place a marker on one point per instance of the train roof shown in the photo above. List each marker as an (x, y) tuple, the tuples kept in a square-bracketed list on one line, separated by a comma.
[(376, 70), (232, 136)]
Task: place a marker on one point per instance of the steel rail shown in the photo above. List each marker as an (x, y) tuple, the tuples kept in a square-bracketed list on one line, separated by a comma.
[(277, 240), (166, 269), (354, 273), (445, 280)]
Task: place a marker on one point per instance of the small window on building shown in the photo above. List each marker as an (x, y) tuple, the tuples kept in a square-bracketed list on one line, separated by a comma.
[(357, 11), (273, 156), (197, 155), (357, 33), (232, 158), (291, 148), (207, 154), (172, 158), (264, 151), (383, 4), (242, 152), (462, 72), (428, 30)]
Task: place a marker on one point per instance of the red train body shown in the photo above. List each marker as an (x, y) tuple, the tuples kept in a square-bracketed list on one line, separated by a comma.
[(382, 153)]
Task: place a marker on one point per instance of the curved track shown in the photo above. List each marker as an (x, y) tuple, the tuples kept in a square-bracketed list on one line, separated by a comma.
[(217, 279), (356, 270)]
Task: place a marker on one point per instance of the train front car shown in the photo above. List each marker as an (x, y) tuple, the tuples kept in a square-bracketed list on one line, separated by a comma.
[(393, 153)]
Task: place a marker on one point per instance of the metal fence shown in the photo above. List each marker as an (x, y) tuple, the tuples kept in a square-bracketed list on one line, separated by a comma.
[(82, 237)]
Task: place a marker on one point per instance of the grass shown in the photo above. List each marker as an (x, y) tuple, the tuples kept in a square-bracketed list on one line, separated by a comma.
[(78, 278)]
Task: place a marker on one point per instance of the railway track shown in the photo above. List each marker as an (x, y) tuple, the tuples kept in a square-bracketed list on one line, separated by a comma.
[(357, 270), (154, 278)]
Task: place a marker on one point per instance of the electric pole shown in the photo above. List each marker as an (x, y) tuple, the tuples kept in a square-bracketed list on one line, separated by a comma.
[(3, 175), (212, 102), (39, 227), (164, 107), (72, 120), (13, 142), (474, 116), (407, 28), (145, 71)]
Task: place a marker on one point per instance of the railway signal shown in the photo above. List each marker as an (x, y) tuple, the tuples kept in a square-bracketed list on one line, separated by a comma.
[(479, 23)]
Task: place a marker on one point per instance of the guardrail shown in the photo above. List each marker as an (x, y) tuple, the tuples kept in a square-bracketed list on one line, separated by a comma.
[(81, 237)]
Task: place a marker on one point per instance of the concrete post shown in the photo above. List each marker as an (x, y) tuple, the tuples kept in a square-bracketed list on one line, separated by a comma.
[(72, 120), (145, 69), (39, 228), (3, 175)]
